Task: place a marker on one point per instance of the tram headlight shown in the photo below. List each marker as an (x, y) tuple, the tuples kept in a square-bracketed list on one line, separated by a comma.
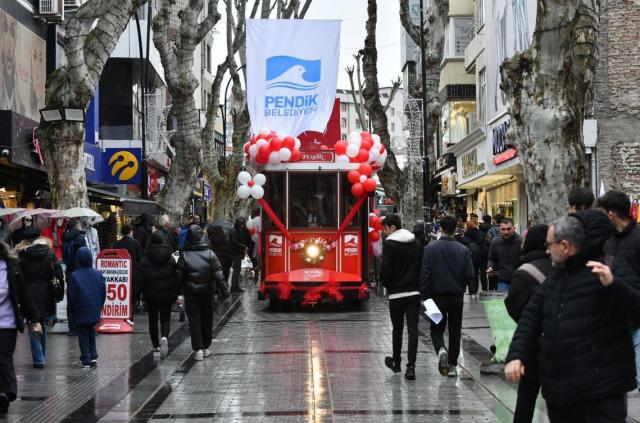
[(312, 251)]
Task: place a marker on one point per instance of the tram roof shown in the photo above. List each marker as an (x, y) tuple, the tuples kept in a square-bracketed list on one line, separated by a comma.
[(312, 166)]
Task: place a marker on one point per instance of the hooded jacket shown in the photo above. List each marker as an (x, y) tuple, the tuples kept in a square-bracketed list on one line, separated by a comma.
[(74, 239), (39, 265), (401, 254), (86, 290), (585, 348), (142, 233), (158, 272), (23, 306), (238, 238), (447, 268), (504, 256), (198, 267)]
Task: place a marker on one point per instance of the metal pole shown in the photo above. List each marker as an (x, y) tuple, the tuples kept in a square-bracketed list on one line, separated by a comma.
[(426, 187), (144, 189)]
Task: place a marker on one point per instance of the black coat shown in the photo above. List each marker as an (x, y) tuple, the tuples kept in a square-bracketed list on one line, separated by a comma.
[(86, 290), (23, 305), (170, 238), (504, 256), (585, 347), (142, 233), (198, 268), (523, 284), (158, 274), (237, 240), (401, 255), (38, 265), (221, 246), (135, 251), (73, 239), (472, 239), (447, 268)]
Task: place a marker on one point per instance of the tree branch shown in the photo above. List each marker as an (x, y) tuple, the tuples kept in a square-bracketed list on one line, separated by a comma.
[(210, 21), (395, 85), (358, 104), (405, 19)]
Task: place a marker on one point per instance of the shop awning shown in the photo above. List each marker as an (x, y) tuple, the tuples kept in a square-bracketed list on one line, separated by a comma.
[(137, 206)]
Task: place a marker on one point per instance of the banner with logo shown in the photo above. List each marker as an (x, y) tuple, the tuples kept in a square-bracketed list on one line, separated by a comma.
[(122, 165), (292, 73)]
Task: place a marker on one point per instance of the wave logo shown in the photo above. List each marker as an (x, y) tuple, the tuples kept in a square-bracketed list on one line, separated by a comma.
[(275, 240), (293, 73), (351, 241), (123, 165)]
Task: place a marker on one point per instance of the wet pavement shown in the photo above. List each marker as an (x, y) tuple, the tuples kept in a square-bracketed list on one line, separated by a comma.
[(324, 364)]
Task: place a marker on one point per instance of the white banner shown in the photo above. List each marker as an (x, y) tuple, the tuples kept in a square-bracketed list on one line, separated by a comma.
[(292, 73), (509, 29)]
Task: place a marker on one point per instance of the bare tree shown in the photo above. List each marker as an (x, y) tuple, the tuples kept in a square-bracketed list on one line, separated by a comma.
[(550, 85), (177, 57), (91, 35)]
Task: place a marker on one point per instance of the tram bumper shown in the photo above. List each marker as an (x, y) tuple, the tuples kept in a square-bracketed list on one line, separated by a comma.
[(314, 285)]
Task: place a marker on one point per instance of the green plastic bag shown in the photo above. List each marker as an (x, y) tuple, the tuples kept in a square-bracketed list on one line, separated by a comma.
[(502, 325)]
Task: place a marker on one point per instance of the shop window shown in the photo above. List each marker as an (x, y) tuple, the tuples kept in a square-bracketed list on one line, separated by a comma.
[(343, 107), (343, 122), (312, 200), (274, 194), (458, 120), (482, 97), (457, 36), (348, 200)]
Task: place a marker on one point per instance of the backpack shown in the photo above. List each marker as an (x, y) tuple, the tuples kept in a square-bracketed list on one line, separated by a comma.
[(69, 252), (474, 249)]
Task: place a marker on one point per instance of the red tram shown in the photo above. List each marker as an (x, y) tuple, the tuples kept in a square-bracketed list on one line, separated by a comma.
[(319, 248)]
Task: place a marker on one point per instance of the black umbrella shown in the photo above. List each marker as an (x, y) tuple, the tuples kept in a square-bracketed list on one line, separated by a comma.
[(226, 225)]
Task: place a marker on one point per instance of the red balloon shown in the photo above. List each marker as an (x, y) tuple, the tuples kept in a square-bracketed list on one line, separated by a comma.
[(262, 159), (378, 225), (264, 151), (289, 142), (246, 147), (254, 140), (365, 169), (353, 159), (366, 144), (373, 236), (353, 176), (369, 185), (276, 144), (340, 148), (382, 148), (252, 231), (295, 155), (251, 183), (363, 155), (365, 134), (357, 190)]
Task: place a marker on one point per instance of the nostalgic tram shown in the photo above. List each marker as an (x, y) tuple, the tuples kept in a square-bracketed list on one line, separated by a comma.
[(320, 252)]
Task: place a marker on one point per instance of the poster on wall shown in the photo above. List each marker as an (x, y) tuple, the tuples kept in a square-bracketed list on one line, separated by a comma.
[(510, 26), (22, 68)]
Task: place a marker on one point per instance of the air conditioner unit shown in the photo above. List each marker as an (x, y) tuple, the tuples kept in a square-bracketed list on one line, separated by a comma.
[(72, 4), (49, 7), (50, 11)]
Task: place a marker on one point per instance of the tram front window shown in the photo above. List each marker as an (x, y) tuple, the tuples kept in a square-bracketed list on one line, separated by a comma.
[(312, 200)]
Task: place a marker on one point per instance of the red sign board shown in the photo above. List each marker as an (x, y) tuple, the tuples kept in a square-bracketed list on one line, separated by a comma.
[(314, 141), (505, 156), (115, 266), (317, 156)]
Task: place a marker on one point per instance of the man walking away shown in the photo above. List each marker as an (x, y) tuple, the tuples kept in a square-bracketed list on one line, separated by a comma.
[(239, 249), (485, 244), (504, 254), (533, 271), (401, 254), (143, 231), (580, 199), (447, 271), (576, 324), (72, 240), (623, 245), (129, 243)]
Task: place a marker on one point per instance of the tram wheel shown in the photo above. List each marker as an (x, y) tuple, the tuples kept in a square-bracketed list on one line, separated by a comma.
[(275, 304)]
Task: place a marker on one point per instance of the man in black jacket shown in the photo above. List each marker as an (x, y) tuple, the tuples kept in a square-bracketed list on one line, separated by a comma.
[(401, 255), (623, 245), (129, 243), (577, 322), (504, 254), (239, 248), (447, 271)]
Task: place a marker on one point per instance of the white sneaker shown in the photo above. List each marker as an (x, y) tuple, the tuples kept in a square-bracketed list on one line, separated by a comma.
[(453, 371), (156, 351), (198, 355), (206, 353), (164, 345)]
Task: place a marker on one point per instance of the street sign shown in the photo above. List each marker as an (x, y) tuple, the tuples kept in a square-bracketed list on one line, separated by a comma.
[(115, 266)]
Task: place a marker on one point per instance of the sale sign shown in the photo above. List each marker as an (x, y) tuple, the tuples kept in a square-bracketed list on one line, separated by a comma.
[(115, 266)]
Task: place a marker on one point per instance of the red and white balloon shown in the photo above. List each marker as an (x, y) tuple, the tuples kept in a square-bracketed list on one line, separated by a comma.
[(269, 147), (375, 226), (361, 147), (251, 186), (361, 180)]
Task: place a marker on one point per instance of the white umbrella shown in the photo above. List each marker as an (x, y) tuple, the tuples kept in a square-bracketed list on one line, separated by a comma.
[(7, 212), (79, 212), (44, 213)]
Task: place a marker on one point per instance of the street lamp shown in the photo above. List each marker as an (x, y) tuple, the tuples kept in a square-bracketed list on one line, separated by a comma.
[(67, 114), (426, 188)]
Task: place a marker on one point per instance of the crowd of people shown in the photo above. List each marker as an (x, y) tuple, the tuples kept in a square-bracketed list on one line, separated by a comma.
[(167, 261), (572, 286)]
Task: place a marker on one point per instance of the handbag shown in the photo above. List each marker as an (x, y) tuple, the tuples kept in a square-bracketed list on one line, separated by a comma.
[(56, 284)]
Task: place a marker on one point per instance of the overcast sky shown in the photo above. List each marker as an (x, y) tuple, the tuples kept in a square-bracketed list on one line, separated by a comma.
[(353, 14)]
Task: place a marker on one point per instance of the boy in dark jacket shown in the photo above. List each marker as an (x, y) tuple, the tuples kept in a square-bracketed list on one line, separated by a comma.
[(86, 293), (447, 271), (401, 254)]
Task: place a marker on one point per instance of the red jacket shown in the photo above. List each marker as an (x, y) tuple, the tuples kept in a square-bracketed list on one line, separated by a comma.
[(54, 234)]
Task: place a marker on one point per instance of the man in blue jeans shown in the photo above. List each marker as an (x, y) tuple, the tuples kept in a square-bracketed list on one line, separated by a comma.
[(504, 254)]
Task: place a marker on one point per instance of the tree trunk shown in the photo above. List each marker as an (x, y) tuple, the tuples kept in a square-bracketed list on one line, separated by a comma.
[(91, 36), (549, 88)]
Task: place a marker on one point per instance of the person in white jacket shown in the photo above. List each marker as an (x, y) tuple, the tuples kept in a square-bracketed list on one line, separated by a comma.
[(93, 243)]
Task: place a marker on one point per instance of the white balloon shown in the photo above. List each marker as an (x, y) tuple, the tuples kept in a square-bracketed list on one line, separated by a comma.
[(249, 223), (257, 223), (261, 142), (373, 156), (274, 158), (298, 143), (244, 177), (363, 178), (254, 237), (355, 140), (253, 150), (265, 131), (352, 150), (354, 134), (244, 191), (257, 192), (375, 138), (376, 146), (285, 154), (342, 159), (260, 179)]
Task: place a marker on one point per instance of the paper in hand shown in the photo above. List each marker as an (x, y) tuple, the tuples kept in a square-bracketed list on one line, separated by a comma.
[(433, 312)]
